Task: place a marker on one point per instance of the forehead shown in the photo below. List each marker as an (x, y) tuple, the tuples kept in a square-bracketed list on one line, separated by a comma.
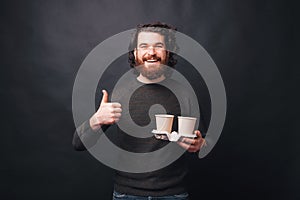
[(150, 38)]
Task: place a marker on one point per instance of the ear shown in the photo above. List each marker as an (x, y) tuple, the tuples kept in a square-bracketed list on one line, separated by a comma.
[(168, 55), (134, 53)]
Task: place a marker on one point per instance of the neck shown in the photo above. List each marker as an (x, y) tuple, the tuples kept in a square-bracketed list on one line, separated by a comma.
[(145, 80)]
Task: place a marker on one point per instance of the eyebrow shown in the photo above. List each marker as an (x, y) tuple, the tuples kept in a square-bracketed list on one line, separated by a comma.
[(154, 44)]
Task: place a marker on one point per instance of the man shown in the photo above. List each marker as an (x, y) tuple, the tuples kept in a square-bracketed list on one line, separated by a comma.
[(152, 61)]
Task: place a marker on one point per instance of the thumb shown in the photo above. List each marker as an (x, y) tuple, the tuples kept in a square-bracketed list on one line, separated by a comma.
[(105, 96), (198, 133)]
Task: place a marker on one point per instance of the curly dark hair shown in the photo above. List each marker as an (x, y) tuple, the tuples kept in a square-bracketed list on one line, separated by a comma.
[(166, 30)]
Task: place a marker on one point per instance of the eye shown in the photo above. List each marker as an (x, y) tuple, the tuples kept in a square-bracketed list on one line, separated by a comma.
[(159, 46), (143, 46)]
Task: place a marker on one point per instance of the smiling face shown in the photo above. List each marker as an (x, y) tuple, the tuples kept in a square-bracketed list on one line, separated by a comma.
[(151, 55)]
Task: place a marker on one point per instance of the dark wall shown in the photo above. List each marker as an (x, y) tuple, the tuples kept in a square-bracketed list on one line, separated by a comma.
[(253, 43)]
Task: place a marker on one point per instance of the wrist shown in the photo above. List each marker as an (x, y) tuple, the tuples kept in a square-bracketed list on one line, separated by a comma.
[(93, 124)]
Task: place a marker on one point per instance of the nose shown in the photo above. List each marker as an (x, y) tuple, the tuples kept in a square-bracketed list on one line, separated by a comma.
[(151, 50)]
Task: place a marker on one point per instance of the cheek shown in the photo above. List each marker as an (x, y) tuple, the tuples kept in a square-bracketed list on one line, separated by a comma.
[(140, 57), (137, 56), (163, 55)]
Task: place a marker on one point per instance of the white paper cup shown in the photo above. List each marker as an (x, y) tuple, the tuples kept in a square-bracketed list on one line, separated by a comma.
[(164, 122), (186, 125)]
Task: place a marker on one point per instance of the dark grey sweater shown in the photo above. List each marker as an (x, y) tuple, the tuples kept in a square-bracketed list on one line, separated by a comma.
[(169, 180)]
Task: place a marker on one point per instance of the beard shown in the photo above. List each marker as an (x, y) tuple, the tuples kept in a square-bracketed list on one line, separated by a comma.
[(151, 70)]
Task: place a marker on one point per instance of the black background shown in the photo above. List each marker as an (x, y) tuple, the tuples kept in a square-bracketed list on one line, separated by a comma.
[(253, 43)]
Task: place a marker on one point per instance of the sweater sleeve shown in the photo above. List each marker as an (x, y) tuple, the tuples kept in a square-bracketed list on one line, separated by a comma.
[(85, 137)]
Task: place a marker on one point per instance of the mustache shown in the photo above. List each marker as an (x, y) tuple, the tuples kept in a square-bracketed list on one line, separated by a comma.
[(151, 58)]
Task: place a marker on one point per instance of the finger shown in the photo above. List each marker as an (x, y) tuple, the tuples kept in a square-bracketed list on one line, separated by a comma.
[(188, 147), (183, 145), (117, 110), (116, 115), (110, 121), (188, 140), (198, 133), (193, 149), (116, 105), (105, 96), (203, 143), (116, 120)]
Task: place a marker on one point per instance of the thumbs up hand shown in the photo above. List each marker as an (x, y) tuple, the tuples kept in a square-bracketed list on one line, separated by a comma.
[(107, 113)]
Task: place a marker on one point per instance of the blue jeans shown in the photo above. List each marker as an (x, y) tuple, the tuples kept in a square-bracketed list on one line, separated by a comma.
[(121, 196)]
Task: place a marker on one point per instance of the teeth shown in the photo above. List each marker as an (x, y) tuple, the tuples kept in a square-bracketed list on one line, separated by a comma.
[(151, 60)]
